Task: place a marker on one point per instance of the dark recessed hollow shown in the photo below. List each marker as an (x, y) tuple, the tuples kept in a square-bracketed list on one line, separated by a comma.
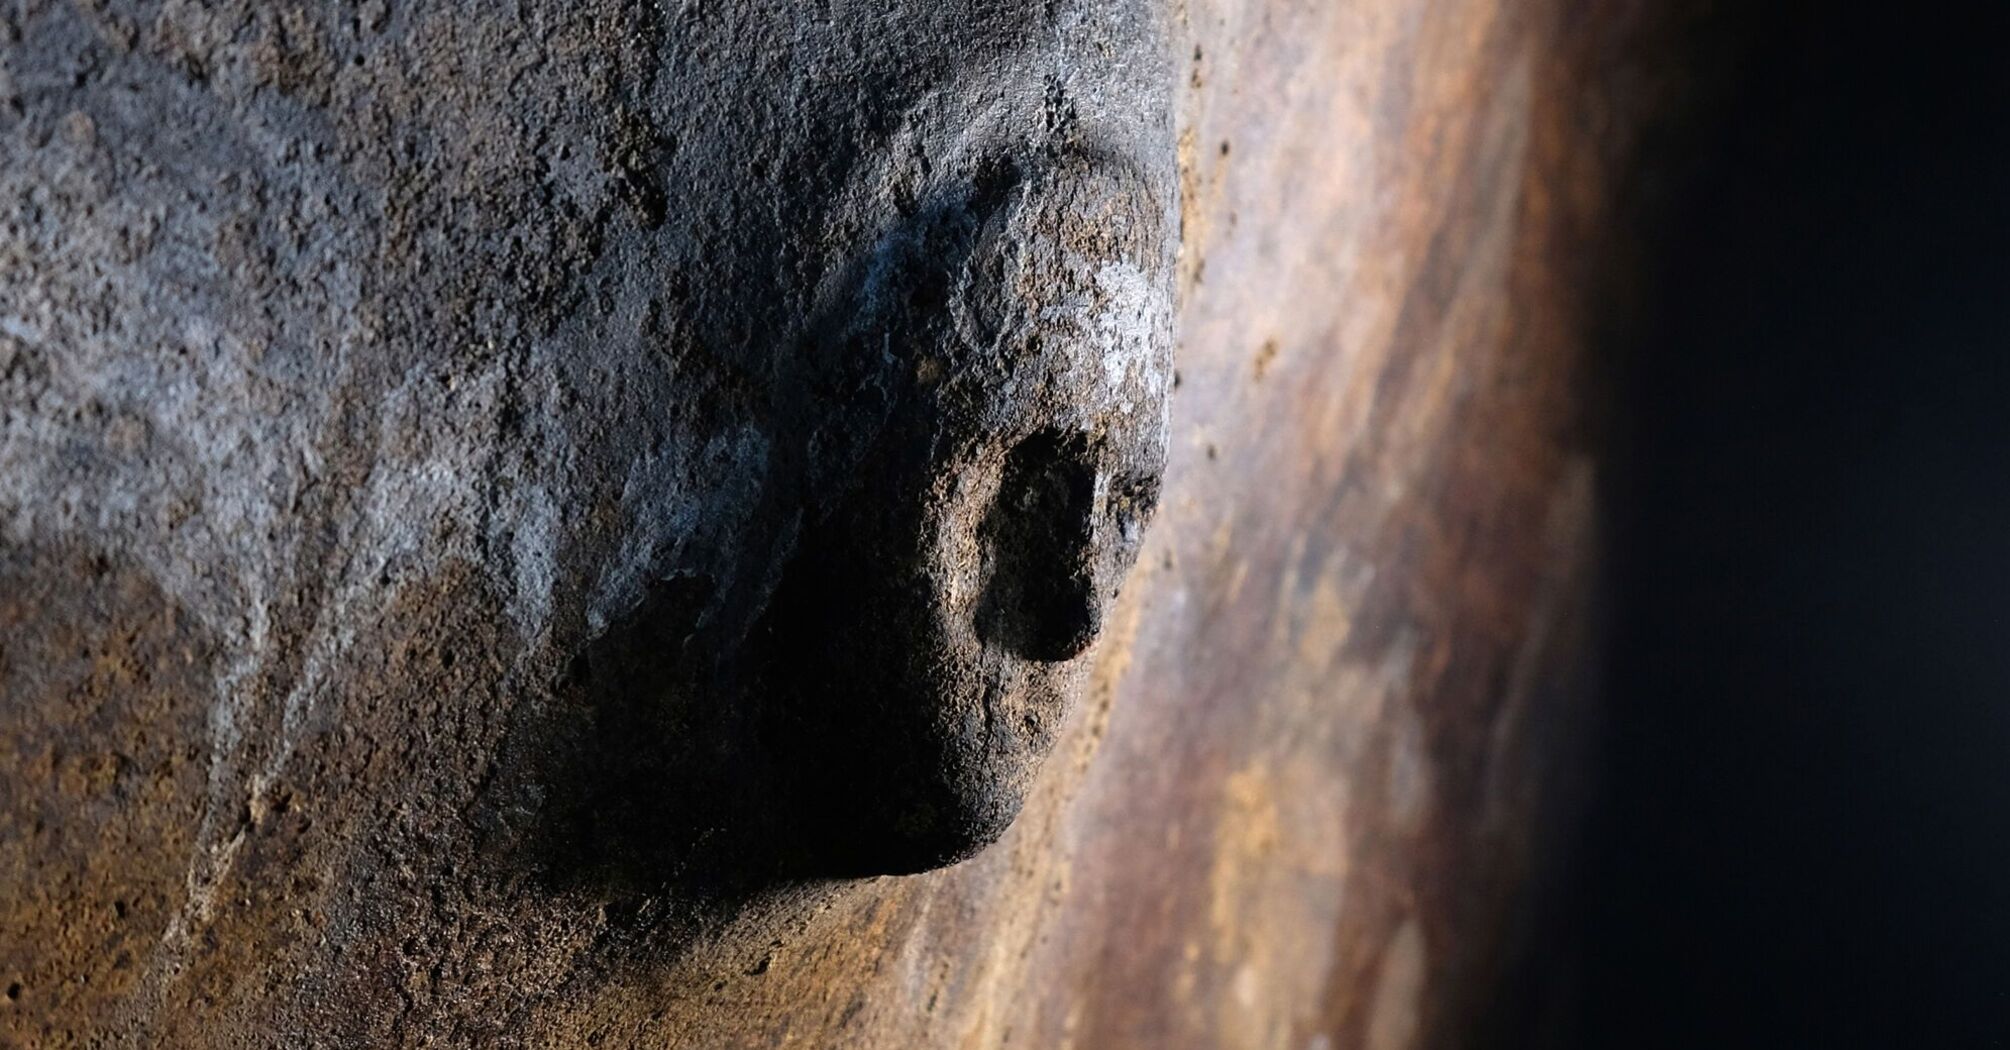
[(1040, 601)]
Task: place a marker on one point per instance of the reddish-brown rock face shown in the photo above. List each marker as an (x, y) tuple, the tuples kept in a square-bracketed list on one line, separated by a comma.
[(394, 437)]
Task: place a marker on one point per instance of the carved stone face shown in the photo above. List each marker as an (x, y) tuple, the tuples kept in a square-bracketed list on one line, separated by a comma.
[(963, 426), (924, 641)]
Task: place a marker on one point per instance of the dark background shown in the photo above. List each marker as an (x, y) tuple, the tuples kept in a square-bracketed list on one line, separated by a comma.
[(1801, 834)]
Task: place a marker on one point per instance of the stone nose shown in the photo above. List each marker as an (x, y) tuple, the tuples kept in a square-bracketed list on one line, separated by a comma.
[(1042, 599)]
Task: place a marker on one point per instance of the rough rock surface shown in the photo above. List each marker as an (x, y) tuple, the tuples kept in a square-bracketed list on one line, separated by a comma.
[(481, 486)]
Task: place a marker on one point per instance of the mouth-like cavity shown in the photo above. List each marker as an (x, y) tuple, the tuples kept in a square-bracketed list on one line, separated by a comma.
[(990, 436), (1040, 599)]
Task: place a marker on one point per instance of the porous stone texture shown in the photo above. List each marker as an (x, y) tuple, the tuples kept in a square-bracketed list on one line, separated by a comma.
[(509, 511)]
